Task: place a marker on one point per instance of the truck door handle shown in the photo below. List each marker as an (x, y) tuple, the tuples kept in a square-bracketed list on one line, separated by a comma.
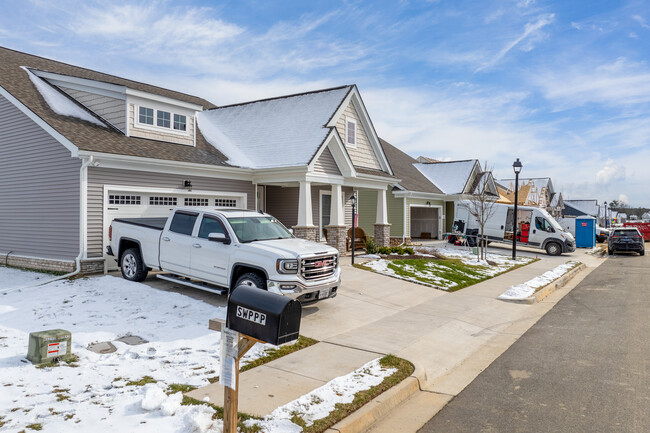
[(166, 239), (196, 245), (534, 231), (501, 227)]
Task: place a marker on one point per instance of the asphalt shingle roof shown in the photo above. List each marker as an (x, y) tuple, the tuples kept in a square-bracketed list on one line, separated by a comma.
[(403, 168)]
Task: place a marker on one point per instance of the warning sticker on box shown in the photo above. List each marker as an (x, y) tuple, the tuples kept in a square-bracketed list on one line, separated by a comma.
[(57, 349)]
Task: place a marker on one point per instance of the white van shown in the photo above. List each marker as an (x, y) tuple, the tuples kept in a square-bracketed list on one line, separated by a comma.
[(535, 227)]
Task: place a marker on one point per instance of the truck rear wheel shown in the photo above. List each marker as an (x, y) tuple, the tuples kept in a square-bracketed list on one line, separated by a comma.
[(251, 279), (553, 249), (132, 267)]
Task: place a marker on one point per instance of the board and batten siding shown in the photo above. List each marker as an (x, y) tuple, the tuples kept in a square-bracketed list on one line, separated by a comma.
[(326, 164), (111, 109), (39, 190), (98, 177), (136, 131), (362, 155)]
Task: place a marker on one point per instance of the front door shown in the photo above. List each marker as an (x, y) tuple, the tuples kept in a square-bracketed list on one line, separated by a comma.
[(325, 209)]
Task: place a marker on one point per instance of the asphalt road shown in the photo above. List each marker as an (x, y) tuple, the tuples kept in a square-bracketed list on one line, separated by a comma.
[(584, 367)]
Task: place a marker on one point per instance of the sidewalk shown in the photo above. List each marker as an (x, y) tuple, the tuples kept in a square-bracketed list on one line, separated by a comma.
[(449, 337)]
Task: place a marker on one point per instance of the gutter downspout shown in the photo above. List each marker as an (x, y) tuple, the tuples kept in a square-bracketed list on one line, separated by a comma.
[(83, 186)]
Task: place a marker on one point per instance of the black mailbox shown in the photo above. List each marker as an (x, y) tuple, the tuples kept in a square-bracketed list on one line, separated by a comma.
[(263, 315)]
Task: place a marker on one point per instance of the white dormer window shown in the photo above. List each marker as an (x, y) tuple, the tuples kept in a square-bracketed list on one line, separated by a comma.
[(180, 122), (350, 132), (163, 119), (146, 116)]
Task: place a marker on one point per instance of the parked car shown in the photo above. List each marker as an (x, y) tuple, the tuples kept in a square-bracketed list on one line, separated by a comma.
[(601, 234), (625, 239), (218, 250)]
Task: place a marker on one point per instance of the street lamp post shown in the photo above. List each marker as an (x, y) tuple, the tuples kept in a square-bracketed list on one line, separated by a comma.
[(353, 200), (605, 214), (516, 166)]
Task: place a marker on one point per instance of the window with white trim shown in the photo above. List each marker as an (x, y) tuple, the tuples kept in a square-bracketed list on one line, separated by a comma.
[(225, 202), (350, 132), (124, 199), (163, 201), (163, 118), (146, 115), (180, 122), (192, 201)]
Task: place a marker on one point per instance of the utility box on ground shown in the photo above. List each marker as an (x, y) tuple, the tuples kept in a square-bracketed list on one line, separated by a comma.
[(49, 346), (263, 315)]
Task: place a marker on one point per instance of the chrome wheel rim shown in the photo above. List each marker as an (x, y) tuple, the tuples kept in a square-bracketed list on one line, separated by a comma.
[(129, 266), (248, 283)]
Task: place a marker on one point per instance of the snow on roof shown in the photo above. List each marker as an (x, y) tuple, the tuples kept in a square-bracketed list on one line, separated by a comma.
[(281, 132), (450, 177), (589, 207), (58, 102)]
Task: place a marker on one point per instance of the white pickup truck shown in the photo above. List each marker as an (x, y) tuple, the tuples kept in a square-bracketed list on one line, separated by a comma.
[(217, 250)]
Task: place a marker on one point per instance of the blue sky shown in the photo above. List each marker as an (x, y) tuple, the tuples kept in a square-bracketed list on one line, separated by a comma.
[(562, 85)]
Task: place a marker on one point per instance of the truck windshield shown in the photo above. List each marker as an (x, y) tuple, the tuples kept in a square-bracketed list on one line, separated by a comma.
[(259, 228)]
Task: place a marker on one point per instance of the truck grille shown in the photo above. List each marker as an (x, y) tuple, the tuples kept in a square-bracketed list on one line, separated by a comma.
[(315, 268)]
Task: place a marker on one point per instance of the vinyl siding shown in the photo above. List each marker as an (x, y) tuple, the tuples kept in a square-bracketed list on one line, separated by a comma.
[(135, 131), (326, 164), (111, 109), (282, 203), (362, 155), (39, 190), (449, 216), (368, 212), (98, 177)]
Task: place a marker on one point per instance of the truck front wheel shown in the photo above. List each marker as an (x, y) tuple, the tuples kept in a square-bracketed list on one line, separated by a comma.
[(553, 249), (132, 266), (251, 279)]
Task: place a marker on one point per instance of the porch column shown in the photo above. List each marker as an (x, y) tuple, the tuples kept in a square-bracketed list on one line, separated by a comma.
[(382, 227), (336, 230), (305, 228)]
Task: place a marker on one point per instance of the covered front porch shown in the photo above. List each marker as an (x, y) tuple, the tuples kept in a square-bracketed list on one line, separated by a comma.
[(322, 212)]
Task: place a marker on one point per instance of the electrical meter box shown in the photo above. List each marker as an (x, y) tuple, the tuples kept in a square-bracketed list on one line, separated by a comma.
[(49, 346)]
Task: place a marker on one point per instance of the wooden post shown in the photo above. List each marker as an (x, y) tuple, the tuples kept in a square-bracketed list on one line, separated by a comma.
[(231, 396)]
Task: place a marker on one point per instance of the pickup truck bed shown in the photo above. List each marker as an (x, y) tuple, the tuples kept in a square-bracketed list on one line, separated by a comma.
[(152, 223)]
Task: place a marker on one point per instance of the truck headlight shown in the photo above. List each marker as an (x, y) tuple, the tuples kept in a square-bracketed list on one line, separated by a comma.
[(287, 266)]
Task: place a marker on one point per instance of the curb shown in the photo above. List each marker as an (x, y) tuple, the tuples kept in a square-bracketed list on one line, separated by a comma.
[(542, 293), (378, 407)]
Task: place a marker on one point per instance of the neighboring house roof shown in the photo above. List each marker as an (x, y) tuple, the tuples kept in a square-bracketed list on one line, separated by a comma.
[(557, 201), (570, 210), (87, 135), (485, 178), (426, 159), (278, 132), (587, 207), (450, 177), (402, 165)]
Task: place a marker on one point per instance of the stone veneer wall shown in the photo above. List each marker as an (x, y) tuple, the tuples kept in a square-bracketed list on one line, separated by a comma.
[(382, 235), (91, 266), (309, 233), (336, 237)]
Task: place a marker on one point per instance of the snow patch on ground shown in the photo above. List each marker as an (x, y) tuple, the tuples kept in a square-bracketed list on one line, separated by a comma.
[(527, 289), (320, 402), (12, 278)]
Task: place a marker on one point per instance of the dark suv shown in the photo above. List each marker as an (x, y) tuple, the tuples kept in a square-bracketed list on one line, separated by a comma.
[(625, 239)]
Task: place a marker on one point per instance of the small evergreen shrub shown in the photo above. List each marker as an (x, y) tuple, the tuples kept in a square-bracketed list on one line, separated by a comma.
[(371, 246)]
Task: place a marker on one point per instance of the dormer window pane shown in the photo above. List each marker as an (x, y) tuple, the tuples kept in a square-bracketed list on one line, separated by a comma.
[(180, 122), (164, 119), (146, 115)]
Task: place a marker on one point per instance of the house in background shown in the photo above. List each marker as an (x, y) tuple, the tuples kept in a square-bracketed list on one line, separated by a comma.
[(538, 192), (583, 207), (79, 148)]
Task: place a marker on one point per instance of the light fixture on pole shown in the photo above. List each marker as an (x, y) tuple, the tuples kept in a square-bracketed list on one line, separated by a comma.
[(516, 166), (605, 214), (353, 201)]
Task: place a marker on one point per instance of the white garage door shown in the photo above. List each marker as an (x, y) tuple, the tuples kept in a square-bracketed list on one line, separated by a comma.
[(142, 204)]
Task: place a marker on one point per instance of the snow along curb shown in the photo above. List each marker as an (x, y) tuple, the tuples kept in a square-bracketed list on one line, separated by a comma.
[(546, 290), (381, 405)]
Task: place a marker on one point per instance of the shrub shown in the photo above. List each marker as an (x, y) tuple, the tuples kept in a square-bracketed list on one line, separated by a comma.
[(371, 246), (384, 250), (409, 251), (397, 250)]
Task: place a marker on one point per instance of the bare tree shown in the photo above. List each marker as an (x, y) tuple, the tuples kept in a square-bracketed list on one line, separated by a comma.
[(481, 205)]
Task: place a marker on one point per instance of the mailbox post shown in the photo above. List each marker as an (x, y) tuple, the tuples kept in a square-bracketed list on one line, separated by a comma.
[(253, 316)]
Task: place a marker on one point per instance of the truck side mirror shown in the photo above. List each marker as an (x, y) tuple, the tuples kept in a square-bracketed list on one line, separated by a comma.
[(218, 237)]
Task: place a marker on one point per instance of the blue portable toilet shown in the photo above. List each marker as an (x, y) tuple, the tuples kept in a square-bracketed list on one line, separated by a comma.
[(585, 232)]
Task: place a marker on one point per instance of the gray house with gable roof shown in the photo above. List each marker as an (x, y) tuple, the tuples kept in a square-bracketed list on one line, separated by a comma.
[(79, 148)]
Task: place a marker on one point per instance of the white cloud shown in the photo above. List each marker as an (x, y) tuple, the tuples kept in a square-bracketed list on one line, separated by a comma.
[(609, 173), (532, 32), (623, 198), (642, 22)]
